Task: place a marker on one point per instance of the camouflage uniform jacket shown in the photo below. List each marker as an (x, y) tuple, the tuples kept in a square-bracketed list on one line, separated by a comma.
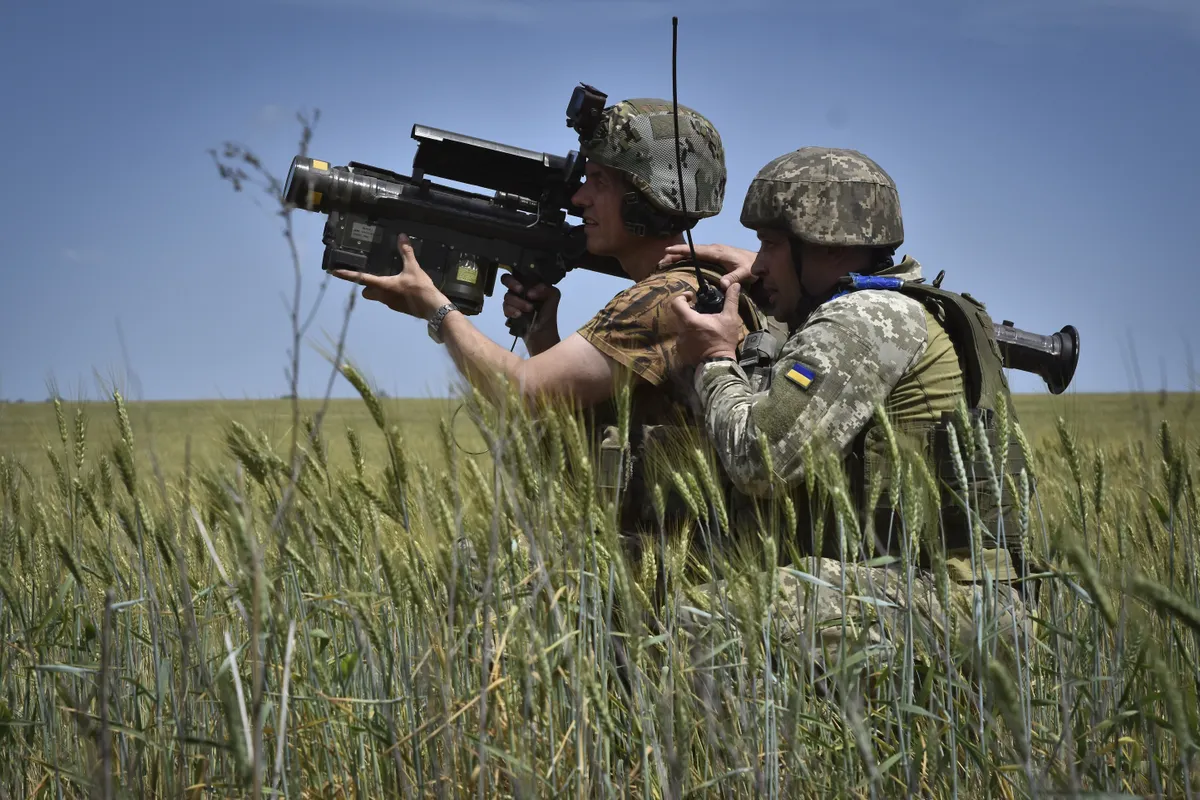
[(845, 360)]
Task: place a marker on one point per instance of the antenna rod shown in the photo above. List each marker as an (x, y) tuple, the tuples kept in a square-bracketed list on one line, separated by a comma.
[(708, 298)]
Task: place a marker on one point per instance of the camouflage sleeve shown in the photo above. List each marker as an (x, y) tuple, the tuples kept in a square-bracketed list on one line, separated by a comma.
[(636, 329), (828, 379)]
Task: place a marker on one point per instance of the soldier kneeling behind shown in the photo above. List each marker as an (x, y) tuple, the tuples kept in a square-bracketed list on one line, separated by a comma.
[(865, 334)]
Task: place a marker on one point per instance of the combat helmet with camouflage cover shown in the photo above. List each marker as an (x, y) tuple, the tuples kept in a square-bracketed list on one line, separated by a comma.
[(826, 196), (637, 138)]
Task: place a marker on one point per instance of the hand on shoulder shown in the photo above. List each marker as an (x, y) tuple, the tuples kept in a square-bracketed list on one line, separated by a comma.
[(735, 262)]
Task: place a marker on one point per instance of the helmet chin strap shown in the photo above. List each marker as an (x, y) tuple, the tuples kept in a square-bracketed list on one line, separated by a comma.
[(643, 219), (807, 303), (796, 247)]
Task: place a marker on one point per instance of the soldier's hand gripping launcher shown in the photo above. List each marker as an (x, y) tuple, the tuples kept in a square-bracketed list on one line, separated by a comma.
[(460, 238)]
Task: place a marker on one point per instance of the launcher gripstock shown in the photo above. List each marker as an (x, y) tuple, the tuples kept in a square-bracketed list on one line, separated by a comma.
[(1053, 357), (460, 238)]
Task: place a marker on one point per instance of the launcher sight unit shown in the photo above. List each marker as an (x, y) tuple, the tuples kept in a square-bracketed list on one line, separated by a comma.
[(460, 238)]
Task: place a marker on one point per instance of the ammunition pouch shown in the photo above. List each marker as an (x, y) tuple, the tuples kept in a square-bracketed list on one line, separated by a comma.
[(616, 466), (623, 475), (996, 549)]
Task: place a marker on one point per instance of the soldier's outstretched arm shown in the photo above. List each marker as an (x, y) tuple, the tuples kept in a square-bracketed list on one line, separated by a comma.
[(825, 386), (573, 369)]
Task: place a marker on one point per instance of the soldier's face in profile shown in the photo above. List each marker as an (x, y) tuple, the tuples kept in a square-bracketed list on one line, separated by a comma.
[(779, 285), (600, 198)]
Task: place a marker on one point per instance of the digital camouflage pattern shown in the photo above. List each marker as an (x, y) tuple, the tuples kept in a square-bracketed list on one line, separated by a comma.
[(858, 346), (826, 196), (823, 603), (637, 137)]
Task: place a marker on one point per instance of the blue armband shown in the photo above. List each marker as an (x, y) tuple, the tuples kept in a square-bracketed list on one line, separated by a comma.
[(873, 282), (854, 282)]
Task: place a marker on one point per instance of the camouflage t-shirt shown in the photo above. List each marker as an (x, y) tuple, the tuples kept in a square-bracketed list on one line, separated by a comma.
[(637, 329)]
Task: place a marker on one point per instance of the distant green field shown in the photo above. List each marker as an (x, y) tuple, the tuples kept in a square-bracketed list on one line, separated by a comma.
[(163, 429)]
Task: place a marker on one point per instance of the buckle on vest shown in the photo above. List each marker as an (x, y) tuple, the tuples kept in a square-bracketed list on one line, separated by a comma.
[(758, 350)]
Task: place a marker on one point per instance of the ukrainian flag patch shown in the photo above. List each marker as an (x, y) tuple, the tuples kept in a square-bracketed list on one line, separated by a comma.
[(801, 375)]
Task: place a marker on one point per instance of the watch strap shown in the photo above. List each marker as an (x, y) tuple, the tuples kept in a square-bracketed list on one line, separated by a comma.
[(435, 322)]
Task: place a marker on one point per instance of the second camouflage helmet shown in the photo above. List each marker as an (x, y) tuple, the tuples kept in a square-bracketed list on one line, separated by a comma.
[(637, 137), (826, 196)]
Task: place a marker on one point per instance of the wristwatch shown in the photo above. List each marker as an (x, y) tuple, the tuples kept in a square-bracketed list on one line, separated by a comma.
[(435, 322)]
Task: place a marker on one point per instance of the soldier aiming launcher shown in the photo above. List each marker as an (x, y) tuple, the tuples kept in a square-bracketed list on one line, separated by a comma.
[(462, 238)]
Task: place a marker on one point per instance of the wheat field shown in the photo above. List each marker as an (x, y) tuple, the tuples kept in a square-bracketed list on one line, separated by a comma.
[(164, 426), (203, 599)]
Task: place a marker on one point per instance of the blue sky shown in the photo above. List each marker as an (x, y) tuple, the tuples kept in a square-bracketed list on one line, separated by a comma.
[(1045, 154)]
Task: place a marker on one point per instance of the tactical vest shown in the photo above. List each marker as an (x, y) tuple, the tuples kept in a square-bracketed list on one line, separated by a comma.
[(622, 467), (998, 550)]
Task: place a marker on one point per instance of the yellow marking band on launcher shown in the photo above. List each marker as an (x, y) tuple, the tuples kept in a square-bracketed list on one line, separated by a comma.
[(468, 272), (320, 164)]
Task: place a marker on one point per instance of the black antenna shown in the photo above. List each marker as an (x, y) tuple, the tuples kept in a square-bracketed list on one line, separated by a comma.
[(709, 299)]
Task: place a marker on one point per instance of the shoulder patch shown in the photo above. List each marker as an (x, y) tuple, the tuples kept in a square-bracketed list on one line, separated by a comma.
[(801, 375)]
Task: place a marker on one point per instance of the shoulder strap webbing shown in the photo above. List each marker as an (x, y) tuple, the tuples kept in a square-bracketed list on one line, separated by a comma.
[(970, 328), (966, 322)]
